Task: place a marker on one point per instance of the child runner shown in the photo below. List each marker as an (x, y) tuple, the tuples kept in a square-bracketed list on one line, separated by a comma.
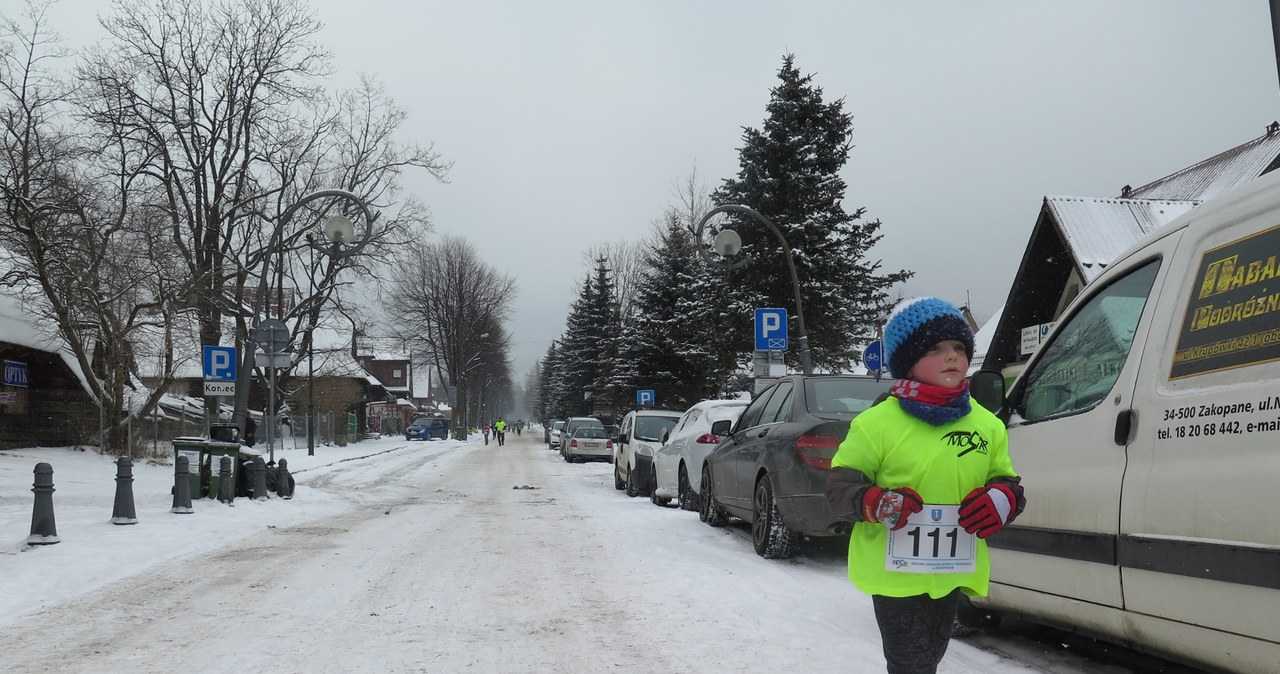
[(940, 481)]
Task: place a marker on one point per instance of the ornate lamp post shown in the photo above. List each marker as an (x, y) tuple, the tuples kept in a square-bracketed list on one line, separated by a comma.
[(728, 244)]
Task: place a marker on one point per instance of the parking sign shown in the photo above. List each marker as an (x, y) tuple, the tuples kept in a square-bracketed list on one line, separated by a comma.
[(220, 363), (644, 398), (771, 329)]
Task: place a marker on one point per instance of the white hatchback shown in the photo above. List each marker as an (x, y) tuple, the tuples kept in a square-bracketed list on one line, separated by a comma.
[(687, 445)]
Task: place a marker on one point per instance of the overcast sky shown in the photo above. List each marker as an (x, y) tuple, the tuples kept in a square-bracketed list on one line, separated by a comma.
[(569, 122)]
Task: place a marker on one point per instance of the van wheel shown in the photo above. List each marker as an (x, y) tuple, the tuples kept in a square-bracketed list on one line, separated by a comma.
[(632, 491), (617, 481), (970, 619), (660, 501), (769, 536), (707, 510)]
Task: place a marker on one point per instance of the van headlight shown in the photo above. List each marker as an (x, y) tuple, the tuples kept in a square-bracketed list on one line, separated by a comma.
[(644, 449)]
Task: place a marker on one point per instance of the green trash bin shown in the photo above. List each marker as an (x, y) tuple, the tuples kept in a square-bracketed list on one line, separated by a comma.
[(215, 451), (193, 449)]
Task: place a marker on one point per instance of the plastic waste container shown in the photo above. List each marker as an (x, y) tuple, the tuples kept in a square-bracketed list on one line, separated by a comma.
[(194, 450), (215, 451)]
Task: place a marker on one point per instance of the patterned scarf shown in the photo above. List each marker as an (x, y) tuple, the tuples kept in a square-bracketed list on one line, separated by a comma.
[(934, 405)]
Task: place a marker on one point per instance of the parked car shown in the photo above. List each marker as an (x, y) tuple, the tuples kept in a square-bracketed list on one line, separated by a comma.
[(639, 436), (572, 424), (677, 464), (588, 442), (772, 468), (425, 428), (546, 430), (554, 434)]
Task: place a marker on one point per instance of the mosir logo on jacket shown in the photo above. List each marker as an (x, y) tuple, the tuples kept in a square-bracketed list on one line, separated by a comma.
[(969, 440)]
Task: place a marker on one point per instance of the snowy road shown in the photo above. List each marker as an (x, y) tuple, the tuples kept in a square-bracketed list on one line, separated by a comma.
[(462, 557)]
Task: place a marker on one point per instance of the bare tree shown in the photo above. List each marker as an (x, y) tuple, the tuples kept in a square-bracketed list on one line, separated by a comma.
[(452, 304), (98, 269), (217, 107), (626, 262)]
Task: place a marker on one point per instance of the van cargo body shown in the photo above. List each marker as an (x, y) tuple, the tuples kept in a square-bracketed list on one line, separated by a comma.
[(1147, 432)]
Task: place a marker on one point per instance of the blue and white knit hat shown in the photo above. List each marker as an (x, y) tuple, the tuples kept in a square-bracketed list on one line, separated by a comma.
[(915, 326)]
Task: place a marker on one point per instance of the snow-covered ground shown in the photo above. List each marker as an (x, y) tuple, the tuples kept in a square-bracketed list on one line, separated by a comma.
[(440, 556)]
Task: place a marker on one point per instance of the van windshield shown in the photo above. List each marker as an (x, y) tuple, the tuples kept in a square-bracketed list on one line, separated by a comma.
[(651, 428)]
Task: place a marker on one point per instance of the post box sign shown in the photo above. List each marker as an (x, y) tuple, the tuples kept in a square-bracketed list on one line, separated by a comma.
[(15, 374)]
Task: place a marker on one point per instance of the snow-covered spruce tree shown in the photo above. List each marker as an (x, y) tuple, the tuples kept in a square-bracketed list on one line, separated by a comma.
[(579, 350), (669, 341), (790, 173)]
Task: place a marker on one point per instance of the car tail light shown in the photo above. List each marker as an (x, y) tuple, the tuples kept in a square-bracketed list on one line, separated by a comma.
[(708, 439), (817, 450), (608, 444), (573, 443)]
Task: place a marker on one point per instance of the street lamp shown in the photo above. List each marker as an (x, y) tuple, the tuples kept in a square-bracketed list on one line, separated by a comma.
[(464, 378), (338, 230), (728, 244)]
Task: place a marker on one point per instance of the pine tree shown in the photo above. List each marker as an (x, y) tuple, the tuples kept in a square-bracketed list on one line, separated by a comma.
[(671, 340), (789, 173)]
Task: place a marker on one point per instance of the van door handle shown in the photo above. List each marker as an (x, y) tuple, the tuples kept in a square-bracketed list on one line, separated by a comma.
[(762, 433), (1124, 427)]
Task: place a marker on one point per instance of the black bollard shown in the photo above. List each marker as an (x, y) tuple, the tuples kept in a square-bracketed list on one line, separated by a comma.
[(44, 531), (123, 513), (260, 479), (284, 481), (226, 490), (181, 488)]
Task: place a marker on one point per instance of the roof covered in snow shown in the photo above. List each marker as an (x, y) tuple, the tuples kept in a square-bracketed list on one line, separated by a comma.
[(1098, 229)]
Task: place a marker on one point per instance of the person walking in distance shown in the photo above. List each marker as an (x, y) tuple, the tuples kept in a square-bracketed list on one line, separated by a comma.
[(500, 429), (485, 429), (925, 465)]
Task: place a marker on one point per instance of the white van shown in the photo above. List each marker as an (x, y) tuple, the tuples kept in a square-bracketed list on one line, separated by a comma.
[(1147, 433)]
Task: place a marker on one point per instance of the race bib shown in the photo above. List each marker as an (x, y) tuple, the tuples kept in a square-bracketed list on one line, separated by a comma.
[(932, 542)]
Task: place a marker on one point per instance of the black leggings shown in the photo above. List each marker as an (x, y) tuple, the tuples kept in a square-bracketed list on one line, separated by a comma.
[(915, 630)]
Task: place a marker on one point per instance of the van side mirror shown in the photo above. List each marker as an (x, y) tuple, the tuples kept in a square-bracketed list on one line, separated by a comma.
[(987, 388), (721, 427)]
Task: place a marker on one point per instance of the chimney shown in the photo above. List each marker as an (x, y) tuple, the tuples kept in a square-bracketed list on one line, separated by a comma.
[(1272, 128)]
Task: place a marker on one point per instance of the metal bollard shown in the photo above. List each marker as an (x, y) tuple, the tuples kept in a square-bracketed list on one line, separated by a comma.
[(283, 489), (44, 531), (123, 513), (226, 490), (260, 479), (181, 488)]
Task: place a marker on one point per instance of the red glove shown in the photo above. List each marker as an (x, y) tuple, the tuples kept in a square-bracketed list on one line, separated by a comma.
[(890, 507), (986, 509)]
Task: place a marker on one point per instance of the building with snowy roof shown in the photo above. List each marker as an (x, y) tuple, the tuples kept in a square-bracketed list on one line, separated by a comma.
[(1076, 238)]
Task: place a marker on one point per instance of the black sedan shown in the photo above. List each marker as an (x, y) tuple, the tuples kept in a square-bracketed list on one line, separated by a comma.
[(772, 467)]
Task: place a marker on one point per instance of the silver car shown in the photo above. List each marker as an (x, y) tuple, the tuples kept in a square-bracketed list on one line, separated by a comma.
[(554, 435), (588, 442)]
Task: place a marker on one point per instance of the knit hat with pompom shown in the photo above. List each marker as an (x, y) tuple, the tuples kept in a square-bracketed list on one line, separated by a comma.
[(917, 325)]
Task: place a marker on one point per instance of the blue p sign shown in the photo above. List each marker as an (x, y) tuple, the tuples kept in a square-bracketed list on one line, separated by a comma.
[(644, 398), (771, 329), (220, 363)]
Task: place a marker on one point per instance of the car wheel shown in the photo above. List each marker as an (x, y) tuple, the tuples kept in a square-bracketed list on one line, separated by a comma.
[(686, 498), (660, 501), (707, 510), (769, 536), (631, 483)]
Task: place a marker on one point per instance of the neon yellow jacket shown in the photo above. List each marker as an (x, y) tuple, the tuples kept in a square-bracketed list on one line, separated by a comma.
[(501, 426), (943, 464)]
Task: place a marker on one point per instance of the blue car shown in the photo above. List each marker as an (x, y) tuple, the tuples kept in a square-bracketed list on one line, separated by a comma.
[(425, 428)]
